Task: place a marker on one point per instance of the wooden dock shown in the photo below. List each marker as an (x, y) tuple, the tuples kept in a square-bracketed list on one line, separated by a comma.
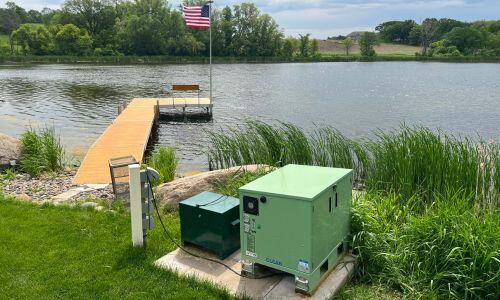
[(129, 135)]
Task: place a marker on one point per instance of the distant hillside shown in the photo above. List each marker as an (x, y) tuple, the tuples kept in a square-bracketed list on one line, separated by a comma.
[(335, 46)]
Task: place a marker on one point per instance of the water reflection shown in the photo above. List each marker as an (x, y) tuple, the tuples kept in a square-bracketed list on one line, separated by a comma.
[(81, 100)]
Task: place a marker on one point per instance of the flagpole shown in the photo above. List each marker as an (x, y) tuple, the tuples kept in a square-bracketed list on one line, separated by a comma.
[(210, 50)]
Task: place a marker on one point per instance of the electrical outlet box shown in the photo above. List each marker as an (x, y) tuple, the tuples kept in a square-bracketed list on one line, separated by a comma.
[(211, 221), (296, 220)]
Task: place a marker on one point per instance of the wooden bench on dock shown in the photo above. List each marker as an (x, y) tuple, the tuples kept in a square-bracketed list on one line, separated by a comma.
[(184, 91)]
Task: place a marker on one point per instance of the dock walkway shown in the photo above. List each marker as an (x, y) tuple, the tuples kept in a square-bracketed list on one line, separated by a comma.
[(129, 135)]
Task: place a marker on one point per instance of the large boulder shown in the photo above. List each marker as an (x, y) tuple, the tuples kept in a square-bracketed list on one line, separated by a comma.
[(10, 150), (171, 193)]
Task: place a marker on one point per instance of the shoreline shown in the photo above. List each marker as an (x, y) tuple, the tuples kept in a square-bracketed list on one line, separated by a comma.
[(232, 60)]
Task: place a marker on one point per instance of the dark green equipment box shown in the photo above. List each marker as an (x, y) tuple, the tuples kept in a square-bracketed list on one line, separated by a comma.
[(211, 221)]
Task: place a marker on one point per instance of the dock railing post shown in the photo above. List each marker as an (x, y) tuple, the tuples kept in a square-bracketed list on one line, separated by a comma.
[(136, 205), (157, 111)]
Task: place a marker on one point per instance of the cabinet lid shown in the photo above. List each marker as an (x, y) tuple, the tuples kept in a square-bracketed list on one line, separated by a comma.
[(212, 202), (304, 182)]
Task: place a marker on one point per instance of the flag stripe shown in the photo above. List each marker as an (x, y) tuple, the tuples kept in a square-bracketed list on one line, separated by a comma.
[(198, 21)]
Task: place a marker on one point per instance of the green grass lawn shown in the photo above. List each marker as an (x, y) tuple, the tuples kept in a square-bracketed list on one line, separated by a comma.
[(62, 252)]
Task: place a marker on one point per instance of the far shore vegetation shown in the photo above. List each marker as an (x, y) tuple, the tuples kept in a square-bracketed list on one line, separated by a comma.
[(145, 31)]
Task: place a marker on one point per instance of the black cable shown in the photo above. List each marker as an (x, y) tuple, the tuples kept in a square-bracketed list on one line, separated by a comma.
[(189, 252), (211, 202)]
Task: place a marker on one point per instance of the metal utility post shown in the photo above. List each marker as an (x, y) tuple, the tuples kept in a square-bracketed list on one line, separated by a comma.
[(136, 205), (210, 16), (141, 207)]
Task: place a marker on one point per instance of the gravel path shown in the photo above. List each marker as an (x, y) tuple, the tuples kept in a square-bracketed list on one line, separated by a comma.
[(50, 185)]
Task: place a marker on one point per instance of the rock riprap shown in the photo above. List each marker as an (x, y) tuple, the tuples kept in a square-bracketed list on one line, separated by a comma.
[(10, 150), (57, 188), (171, 193)]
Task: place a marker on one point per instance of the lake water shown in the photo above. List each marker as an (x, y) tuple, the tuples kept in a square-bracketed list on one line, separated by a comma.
[(356, 98)]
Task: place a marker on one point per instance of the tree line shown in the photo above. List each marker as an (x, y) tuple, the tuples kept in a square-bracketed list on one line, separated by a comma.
[(145, 28), (444, 37)]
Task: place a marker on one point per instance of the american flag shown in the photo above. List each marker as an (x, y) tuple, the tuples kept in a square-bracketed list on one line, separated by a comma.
[(197, 16)]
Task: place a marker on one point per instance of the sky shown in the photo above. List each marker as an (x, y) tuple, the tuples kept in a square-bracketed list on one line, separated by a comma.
[(323, 18)]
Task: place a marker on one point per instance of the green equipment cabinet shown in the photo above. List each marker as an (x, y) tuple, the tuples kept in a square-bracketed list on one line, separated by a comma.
[(211, 221), (296, 220)]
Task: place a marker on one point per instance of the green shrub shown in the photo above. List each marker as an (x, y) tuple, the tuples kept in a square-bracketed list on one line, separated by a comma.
[(445, 249), (164, 160), (41, 151)]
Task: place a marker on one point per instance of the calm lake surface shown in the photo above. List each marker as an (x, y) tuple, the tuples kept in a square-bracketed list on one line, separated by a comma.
[(356, 98)]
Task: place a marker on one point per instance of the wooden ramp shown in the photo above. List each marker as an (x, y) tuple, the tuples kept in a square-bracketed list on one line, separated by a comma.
[(128, 135)]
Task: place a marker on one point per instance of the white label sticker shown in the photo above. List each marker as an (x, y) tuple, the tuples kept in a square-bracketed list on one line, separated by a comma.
[(251, 254), (303, 266)]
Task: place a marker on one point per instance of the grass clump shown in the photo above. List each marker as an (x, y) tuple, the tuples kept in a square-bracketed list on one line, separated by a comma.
[(41, 151), (445, 249), (164, 160)]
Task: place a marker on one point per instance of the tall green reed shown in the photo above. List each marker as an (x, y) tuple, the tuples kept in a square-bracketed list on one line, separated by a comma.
[(407, 160), (41, 151), (281, 144), (165, 161), (418, 160)]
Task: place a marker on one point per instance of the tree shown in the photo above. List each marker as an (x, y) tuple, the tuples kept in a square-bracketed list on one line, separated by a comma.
[(443, 48), (415, 37), (34, 16), (314, 47), (255, 34), (289, 47), (93, 15), (149, 28), (71, 40), (245, 21), (21, 37), (445, 25), (428, 35), (396, 31), (466, 39), (366, 43), (347, 43), (33, 39), (10, 19), (304, 45), (227, 30)]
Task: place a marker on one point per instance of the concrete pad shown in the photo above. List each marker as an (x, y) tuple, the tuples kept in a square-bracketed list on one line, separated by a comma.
[(71, 193), (275, 287), (96, 186), (66, 196)]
